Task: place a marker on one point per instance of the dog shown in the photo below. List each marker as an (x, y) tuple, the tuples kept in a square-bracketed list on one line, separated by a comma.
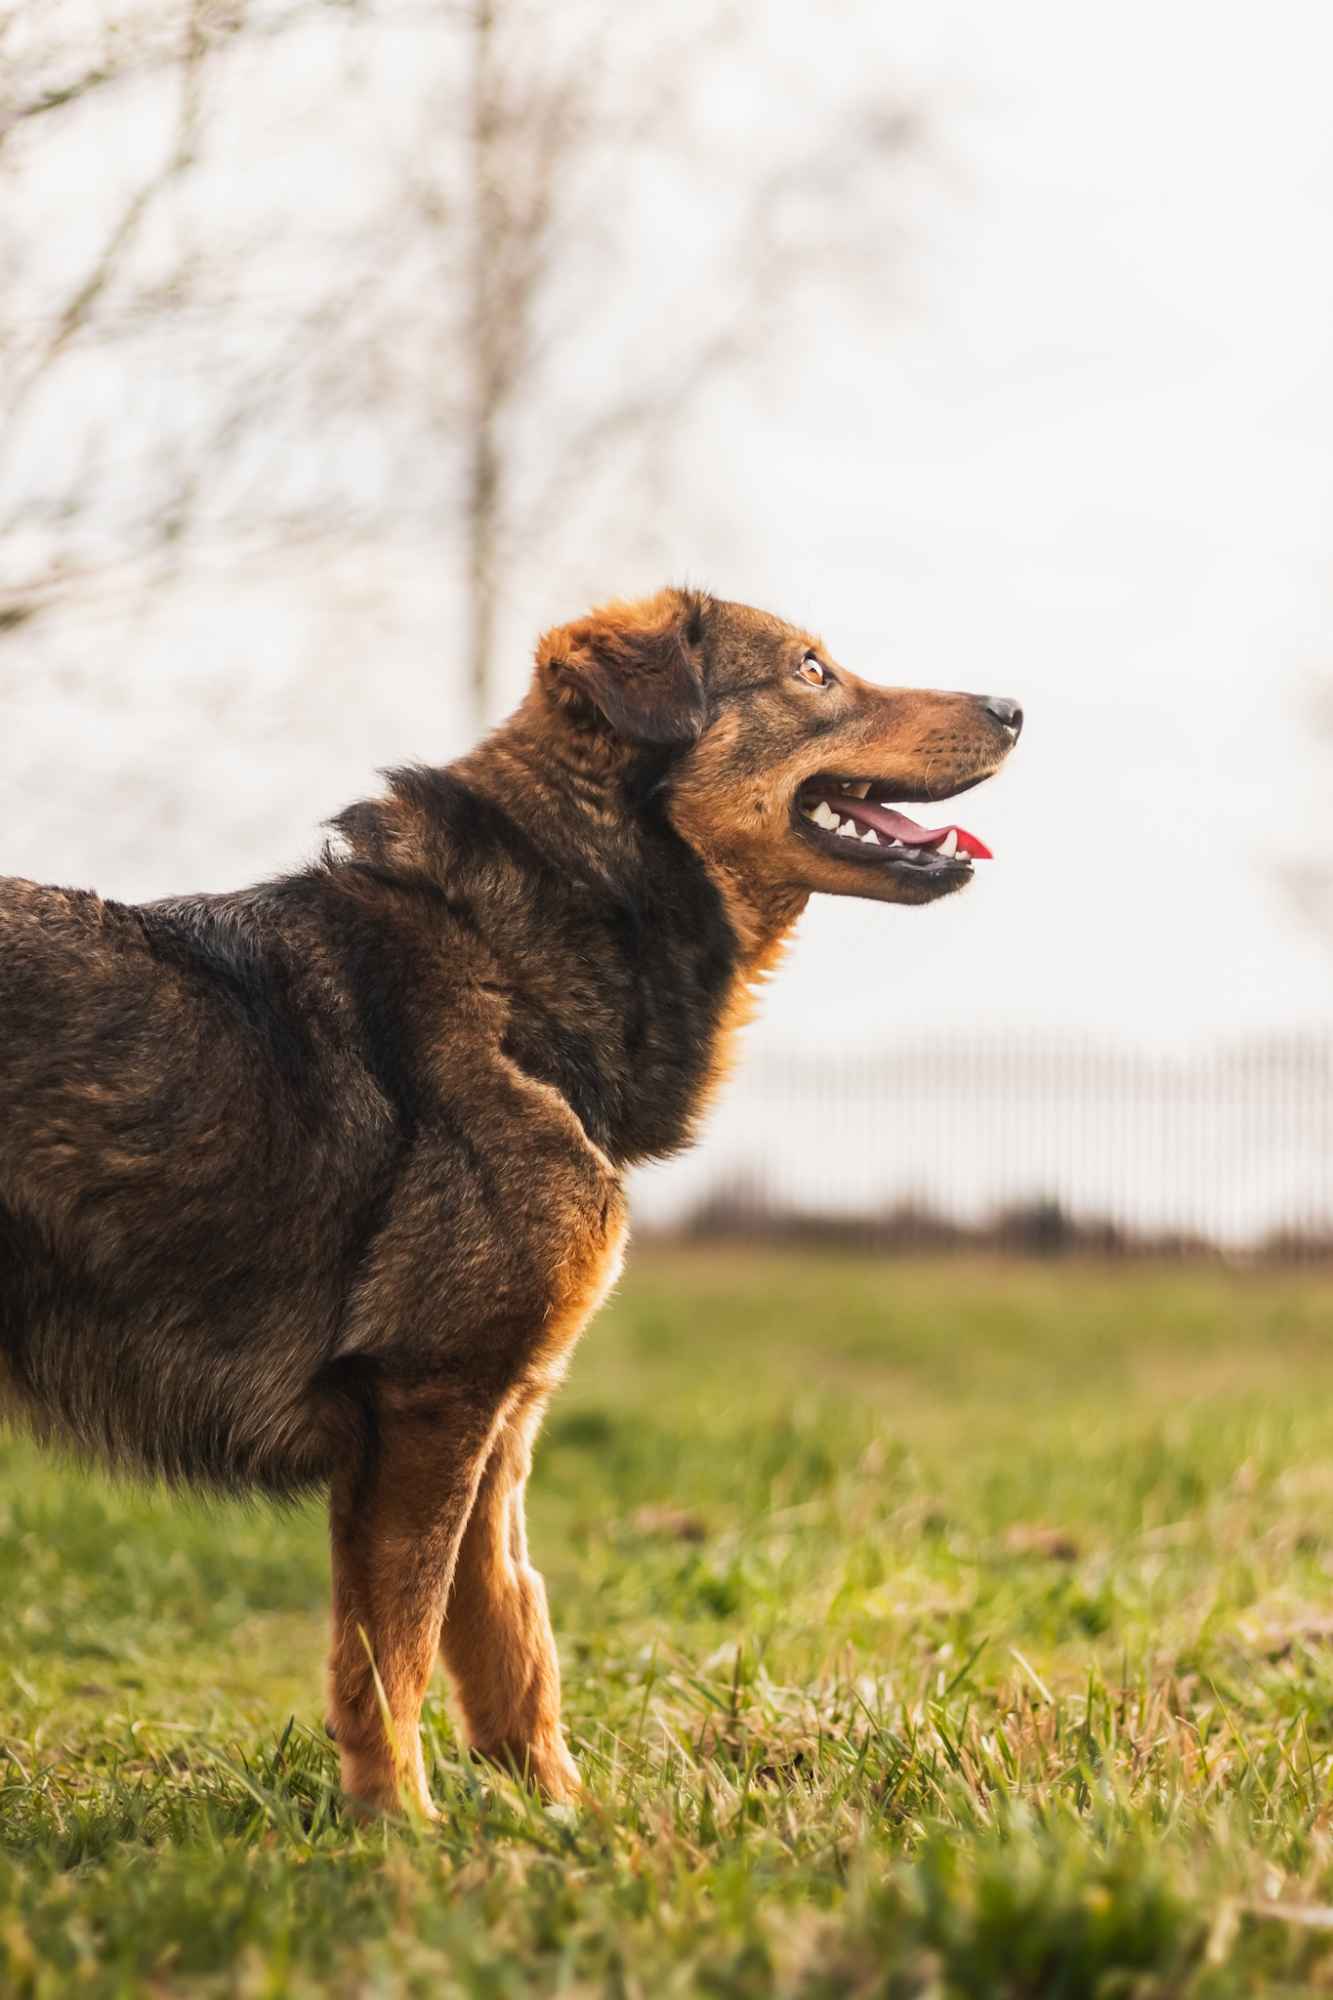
[(316, 1184)]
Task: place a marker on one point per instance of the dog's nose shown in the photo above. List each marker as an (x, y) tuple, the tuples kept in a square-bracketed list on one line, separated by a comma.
[(1007, 713)]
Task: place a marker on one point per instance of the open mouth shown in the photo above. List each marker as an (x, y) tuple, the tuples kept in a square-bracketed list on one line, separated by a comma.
[(852, 818)]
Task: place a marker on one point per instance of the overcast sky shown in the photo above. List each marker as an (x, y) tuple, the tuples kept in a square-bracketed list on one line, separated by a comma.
[(1085, 459), (1096, 472)]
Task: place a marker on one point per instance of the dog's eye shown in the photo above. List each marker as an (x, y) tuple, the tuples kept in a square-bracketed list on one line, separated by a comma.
[(813, 670)]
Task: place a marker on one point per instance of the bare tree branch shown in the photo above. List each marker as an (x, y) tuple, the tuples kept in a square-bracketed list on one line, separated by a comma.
[(442, 337), (79, 306), (219, 22), (56, 98)]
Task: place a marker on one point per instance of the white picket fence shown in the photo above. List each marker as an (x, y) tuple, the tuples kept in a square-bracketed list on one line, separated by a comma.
[(1231, 1146)]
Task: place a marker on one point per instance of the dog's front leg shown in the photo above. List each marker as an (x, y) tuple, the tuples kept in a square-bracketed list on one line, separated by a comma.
[(496, 1638), (398, 1518)]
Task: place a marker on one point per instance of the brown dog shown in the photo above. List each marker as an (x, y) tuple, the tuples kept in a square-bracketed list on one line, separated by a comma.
[(316, 1184)]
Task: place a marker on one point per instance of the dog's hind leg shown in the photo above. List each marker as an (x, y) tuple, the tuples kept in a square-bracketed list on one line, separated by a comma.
[(398, 1518), (496, 1638)]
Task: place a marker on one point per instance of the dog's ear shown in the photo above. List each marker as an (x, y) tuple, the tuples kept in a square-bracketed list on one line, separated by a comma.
[(638, 665)]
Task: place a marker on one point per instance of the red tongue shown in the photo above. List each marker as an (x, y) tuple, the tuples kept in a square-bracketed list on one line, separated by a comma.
[(897, 826)]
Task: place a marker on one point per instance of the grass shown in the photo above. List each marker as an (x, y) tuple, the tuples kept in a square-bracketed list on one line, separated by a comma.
[(928, 1630)]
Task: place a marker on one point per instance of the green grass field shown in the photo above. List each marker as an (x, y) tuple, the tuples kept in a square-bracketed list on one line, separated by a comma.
[(927, 1629)]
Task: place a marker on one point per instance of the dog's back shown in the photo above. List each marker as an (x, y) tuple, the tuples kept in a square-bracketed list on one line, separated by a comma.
[(189, 1159)]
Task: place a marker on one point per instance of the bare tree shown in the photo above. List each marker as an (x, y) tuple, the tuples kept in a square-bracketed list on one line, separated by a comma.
[(471, 342), (58, 62), (534, 181)]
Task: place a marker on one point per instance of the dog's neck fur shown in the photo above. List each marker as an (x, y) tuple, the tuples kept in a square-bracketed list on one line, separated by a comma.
[(577, 826), (575, 787)]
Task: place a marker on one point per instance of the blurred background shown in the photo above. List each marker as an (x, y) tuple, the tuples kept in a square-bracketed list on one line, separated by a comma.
[(344, 345)]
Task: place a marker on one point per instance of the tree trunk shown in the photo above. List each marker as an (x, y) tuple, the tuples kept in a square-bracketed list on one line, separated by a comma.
[(484, 497)]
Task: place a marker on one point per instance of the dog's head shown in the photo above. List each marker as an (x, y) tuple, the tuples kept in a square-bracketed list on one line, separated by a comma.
[(779, 764)]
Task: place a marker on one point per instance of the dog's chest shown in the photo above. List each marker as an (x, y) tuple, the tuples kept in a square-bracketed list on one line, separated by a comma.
[(588, 1278)]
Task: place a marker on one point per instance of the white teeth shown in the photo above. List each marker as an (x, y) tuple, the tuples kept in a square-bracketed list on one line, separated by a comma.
[(858, 791), (807, 812), (949, 845), (848, 830), (871, 836), (824, 815)]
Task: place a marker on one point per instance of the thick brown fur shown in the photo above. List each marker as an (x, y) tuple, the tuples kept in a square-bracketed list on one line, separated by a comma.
[(315, 1185)]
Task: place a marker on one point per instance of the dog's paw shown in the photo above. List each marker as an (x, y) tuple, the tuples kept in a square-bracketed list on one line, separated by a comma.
[(381, 1802), (555, 1774), (547, 1768), (373, 1788)]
